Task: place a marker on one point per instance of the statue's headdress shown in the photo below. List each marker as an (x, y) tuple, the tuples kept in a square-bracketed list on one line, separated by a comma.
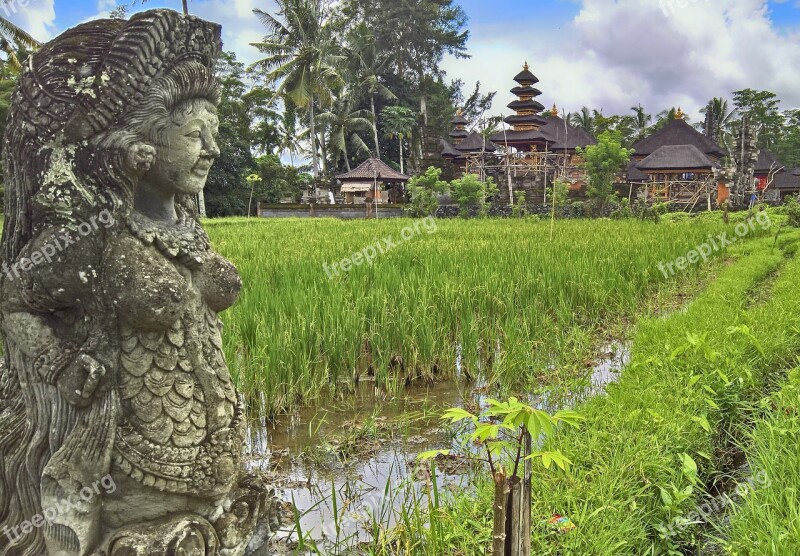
[(87, 82)]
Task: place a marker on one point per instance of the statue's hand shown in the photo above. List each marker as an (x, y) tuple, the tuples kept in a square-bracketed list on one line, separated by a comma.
[(80, 381)]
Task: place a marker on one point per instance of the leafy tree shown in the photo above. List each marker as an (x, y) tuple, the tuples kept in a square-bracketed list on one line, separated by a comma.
[(787, 149), (471, 193), (641, 121), (602, 163), (299, 55), (762, 108), (721, 116), (583, 120), (399, 121), (369, 64), (424, 191), (418, 33), (344, 122), (14, 39)]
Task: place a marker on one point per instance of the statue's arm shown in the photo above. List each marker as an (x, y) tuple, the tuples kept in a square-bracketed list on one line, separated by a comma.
[(49, 289)]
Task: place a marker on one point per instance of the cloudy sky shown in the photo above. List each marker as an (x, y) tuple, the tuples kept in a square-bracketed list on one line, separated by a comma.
[(605, 54)]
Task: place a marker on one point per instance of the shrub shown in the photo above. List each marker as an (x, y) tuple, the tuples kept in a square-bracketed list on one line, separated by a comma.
[(471, 193), (424, 191), (793, 212)]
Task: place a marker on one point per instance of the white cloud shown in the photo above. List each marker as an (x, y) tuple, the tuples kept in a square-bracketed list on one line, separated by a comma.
[(613, 55), (37, 17)]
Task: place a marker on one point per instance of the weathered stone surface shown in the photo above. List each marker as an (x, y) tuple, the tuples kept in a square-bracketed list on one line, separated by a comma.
[(121, 431)]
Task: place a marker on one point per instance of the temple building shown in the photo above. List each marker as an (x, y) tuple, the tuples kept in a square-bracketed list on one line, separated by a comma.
[(677, 164), (372, 182), (774, 181), (538, 147)]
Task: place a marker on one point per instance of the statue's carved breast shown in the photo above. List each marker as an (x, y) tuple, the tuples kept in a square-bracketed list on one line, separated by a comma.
[(178, 399)]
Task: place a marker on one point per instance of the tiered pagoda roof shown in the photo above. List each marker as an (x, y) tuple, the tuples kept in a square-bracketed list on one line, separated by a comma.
[(529, 129), (475, 143), (459, 132)]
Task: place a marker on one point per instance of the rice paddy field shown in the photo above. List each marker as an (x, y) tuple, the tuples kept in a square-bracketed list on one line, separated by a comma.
[(497, 301), (702, 399)]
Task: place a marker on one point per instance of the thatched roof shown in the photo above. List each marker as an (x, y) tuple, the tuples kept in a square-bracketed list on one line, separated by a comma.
[(676, 157), (786, 180), (476, 143), (566, 136), (526, 105), (636, 175), (767, 162), (527, 136), (459, 119), (372, 168), (525, 77), (677, 132), (449, 151), (527, 119), (526, 90), (796, 172)]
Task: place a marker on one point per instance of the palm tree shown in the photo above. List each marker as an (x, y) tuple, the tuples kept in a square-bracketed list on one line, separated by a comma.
[(12, 40), (583, 120), (720, 115), (370, 64), (398, 121), (298, 52), (344, 124), (287, 131), (641, 121)]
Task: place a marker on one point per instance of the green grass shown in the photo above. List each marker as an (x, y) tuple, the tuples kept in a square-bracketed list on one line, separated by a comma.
[(516, 302), (695, 380)]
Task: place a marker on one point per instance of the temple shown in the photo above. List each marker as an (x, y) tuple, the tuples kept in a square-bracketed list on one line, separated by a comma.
[(538, 148)]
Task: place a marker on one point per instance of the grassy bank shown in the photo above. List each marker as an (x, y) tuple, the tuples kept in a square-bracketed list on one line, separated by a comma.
[(695, 379), (498, 296)]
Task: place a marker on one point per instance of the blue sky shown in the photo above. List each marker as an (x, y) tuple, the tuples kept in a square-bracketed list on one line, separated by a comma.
[(608, 54)]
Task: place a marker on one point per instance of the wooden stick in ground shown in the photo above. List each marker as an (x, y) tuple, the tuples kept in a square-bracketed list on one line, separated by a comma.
[(526, 498), (499, 507), (515, 508)]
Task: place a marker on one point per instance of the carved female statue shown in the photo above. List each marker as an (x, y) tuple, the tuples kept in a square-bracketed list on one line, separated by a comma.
[(114, 372)]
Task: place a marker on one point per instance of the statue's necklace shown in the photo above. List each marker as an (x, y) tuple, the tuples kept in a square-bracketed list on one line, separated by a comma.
[(185, 241)]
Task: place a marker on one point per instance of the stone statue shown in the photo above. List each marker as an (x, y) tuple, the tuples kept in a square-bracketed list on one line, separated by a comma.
[(121, 431)]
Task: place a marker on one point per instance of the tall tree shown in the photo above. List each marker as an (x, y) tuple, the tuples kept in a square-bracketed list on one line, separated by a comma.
[(299, 55), (370, 64), (344, 122), (14, 39), (762, 109), (398, 122), (721, 116), (641, 121), (583, 120), (417, 32)]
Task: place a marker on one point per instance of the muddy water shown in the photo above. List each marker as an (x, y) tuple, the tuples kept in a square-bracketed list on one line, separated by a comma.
[(361, 451)]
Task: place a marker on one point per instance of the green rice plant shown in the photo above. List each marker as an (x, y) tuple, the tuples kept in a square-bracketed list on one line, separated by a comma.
[(494, 299)]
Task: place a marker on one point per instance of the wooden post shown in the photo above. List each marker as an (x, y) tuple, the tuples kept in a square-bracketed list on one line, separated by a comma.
[(526, 498), (500, 500), (514, 540)]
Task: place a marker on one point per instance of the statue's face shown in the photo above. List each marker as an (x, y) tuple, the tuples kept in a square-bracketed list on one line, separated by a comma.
[(184, 159)]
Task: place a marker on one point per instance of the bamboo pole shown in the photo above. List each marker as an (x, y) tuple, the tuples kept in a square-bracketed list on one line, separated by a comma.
[(500, 500)]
